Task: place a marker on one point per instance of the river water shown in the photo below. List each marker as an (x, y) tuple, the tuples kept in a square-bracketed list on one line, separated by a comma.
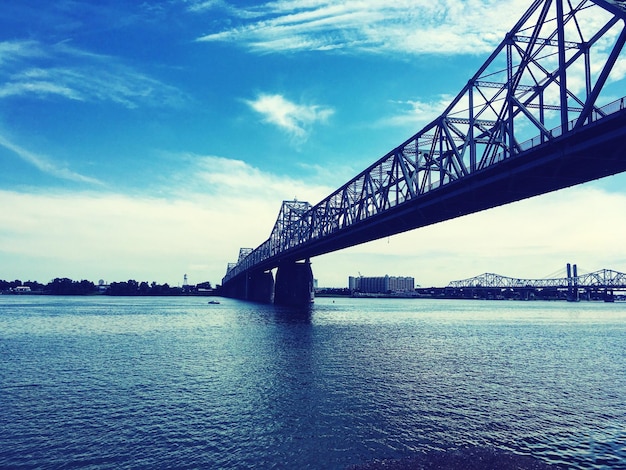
[(113, 382)]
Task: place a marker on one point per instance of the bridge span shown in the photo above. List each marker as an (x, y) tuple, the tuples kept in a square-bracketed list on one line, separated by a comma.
[(602, 279), (537, 116), (601, 284)]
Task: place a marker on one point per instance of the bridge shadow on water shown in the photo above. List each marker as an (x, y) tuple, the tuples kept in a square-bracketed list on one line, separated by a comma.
[(463, 458), (469, 458), (294, 315)]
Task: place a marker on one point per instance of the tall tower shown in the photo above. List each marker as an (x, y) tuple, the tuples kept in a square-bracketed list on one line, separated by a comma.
[(185, 283)]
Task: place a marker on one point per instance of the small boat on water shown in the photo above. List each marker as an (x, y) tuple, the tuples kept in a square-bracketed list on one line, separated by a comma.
[(213, 302)]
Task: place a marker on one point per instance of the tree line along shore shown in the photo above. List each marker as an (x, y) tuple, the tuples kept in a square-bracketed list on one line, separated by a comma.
[(65, 286)]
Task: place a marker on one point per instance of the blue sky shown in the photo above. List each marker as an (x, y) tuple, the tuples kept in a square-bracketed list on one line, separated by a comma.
[(148, 140)]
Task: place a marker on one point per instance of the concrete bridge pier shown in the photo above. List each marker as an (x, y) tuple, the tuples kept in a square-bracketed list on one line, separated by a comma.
[(257, 286), (235, 288), (260, 286), (294, 284)]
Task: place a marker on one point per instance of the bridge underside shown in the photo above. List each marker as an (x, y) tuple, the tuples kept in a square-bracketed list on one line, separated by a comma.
[(293, 285), (257, 286), (595, 151)]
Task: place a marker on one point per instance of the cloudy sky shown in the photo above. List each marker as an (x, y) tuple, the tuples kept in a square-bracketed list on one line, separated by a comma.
[(148, 140)]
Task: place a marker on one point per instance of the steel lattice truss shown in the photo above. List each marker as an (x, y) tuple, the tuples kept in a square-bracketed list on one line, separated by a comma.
[(287, 233), (289, 230), (601, 279), (546, 78)]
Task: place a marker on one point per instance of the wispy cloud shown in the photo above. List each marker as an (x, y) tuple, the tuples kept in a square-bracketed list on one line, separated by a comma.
[(404, 26), (295, 119), (78, 75), (44, 164), (18, 50), (39, 87), (213, 175), (414, 113)]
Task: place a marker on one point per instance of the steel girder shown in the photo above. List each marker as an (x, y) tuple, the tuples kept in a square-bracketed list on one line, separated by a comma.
[(243, 252), (602, 278), (290, 229), (546, 78)]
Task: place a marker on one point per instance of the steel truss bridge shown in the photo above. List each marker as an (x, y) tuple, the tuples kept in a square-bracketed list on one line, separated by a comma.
[(602, 279), (538, 115)]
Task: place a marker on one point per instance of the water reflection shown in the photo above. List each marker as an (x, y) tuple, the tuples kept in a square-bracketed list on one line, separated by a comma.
[(376, 383), (469, 458), (297, 315)]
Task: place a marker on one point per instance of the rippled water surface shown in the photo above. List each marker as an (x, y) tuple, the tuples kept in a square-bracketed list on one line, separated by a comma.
[(104, 382)]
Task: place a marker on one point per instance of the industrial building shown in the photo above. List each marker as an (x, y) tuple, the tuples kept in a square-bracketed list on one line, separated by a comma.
[(381, 285)]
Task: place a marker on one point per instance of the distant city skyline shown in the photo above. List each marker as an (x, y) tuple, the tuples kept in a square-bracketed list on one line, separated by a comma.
[(145, 141)]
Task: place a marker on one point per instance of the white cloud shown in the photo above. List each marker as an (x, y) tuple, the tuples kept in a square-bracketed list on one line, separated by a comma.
[(18, 50), (78, 75), (111, 236), (405, 26), (44, 164), (232, 181), (196, 227), (418, 113), (38, 88), (295, 119)]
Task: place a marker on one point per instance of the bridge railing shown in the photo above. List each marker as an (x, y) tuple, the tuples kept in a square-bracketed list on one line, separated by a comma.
[(597, 114)]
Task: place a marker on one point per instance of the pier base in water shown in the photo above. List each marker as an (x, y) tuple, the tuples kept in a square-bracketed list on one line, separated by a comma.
[(294, 284), (260, 287), (255, 286)]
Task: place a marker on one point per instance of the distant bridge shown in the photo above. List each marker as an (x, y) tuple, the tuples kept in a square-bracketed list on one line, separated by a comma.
[(601, 284), (602, 279), (536, 117)]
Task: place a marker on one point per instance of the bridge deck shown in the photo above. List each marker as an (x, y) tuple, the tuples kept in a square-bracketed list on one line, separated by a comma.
[(595, 151)]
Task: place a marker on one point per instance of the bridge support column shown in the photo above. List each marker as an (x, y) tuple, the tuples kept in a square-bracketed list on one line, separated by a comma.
[(294, 284), (257, 286), (235, 288), (260, 286)]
